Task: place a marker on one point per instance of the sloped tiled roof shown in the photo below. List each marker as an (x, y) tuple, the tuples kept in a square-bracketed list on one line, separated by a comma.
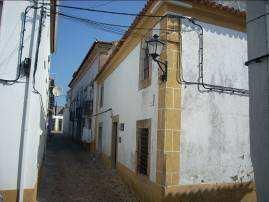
[(85, 58), (208, 3)]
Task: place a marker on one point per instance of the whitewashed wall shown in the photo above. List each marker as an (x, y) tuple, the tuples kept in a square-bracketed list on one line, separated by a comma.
[(214, 142), (122, 95), (66, 121), (12, 97), (85, 81), (86, 78)]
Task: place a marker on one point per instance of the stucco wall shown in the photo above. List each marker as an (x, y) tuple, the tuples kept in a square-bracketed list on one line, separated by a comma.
[(258, 45), (86, 78), (79, 87), (214, 141), (66, 121), (122, 95), (12, 97)]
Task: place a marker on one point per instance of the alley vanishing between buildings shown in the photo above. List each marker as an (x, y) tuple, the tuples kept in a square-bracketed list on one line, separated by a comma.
[(71, 174)]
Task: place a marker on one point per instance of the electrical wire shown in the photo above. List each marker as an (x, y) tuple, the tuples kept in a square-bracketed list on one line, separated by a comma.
[(97, 114), (109, 26), (37, 56), (8, 81), (4, 63), (103, 11), (94, 24), (256, 18), (101, 4), (112, 28), (200, 82)]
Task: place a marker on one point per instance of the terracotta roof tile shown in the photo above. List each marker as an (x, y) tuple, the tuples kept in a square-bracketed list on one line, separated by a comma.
[(209, 3)]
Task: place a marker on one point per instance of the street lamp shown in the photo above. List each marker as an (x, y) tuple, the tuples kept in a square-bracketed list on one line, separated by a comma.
[(155, 48)]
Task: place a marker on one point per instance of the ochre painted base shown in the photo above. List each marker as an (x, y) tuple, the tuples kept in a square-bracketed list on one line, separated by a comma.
[(239, 192), (29, 195), (89, 147), (152, 192), (143, 187), (106, 160)]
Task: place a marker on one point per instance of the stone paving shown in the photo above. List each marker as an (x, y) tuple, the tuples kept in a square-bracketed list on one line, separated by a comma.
[(71, 174)]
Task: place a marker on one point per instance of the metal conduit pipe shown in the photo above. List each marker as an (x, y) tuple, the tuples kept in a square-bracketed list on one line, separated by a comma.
[(200, 81)]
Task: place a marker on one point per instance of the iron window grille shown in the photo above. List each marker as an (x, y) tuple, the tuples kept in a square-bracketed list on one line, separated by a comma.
[(143, 154)]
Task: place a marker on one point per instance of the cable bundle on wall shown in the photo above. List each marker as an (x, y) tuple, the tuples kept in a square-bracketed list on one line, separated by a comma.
[(201, 85), (119, 29)]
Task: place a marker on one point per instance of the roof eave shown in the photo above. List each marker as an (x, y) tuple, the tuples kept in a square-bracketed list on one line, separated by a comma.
[(150, 3), (85, 58)]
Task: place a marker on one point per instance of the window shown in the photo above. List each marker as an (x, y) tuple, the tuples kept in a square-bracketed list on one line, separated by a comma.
[(90, 123), (100, 131), (88, 107), (101, 95), (143, 147), (144, 66)]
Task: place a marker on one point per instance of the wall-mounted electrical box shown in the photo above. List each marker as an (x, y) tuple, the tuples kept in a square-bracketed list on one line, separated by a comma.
[(26, 66)]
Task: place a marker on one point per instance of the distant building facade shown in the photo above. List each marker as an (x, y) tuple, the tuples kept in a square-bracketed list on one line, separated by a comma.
[(27, 39), (57, 120), (187, 138), (82, 93)]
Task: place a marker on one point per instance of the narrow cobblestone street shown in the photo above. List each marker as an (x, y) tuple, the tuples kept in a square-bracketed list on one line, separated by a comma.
[(71, 174)]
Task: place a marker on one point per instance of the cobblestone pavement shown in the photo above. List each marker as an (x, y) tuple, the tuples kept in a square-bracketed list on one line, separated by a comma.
[(71, 174)]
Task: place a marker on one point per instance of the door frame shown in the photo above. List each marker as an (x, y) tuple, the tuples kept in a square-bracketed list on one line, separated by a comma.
[(100, 136), (114, 142)]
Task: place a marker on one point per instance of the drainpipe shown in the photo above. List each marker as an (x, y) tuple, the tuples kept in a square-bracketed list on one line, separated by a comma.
[(258, 49), (23, 139)]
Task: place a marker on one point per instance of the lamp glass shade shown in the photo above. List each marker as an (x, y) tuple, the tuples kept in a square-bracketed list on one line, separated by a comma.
[(159, 48), (155, 46), (152, 46)]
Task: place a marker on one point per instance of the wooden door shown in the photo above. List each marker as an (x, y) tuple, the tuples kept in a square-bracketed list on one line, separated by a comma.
[(114, 144)]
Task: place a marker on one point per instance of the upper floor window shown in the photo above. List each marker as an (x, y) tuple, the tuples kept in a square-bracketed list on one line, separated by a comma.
[(145, 65), (101, 96)]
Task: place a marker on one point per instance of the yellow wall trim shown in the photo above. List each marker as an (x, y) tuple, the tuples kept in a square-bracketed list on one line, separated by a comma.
[(30, 195), (199, 11), (145, 189), (142, 186), (106, 160), (211, 15), (229, 192), (148, 191)]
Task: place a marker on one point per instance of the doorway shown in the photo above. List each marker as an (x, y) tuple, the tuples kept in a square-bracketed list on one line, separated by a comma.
[(114, 142), (100, 131)]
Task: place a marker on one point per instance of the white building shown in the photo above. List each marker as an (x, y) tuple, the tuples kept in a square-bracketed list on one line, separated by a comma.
[(24, 87), (66, 120), (186, 138), (82, 94), (57, 124)]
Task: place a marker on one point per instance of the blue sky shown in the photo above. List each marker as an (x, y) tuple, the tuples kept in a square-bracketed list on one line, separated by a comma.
[(75, 38)]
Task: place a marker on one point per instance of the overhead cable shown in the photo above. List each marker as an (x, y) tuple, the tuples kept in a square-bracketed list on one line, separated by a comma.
[(103, 11), (200, 82), (8, 81)]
